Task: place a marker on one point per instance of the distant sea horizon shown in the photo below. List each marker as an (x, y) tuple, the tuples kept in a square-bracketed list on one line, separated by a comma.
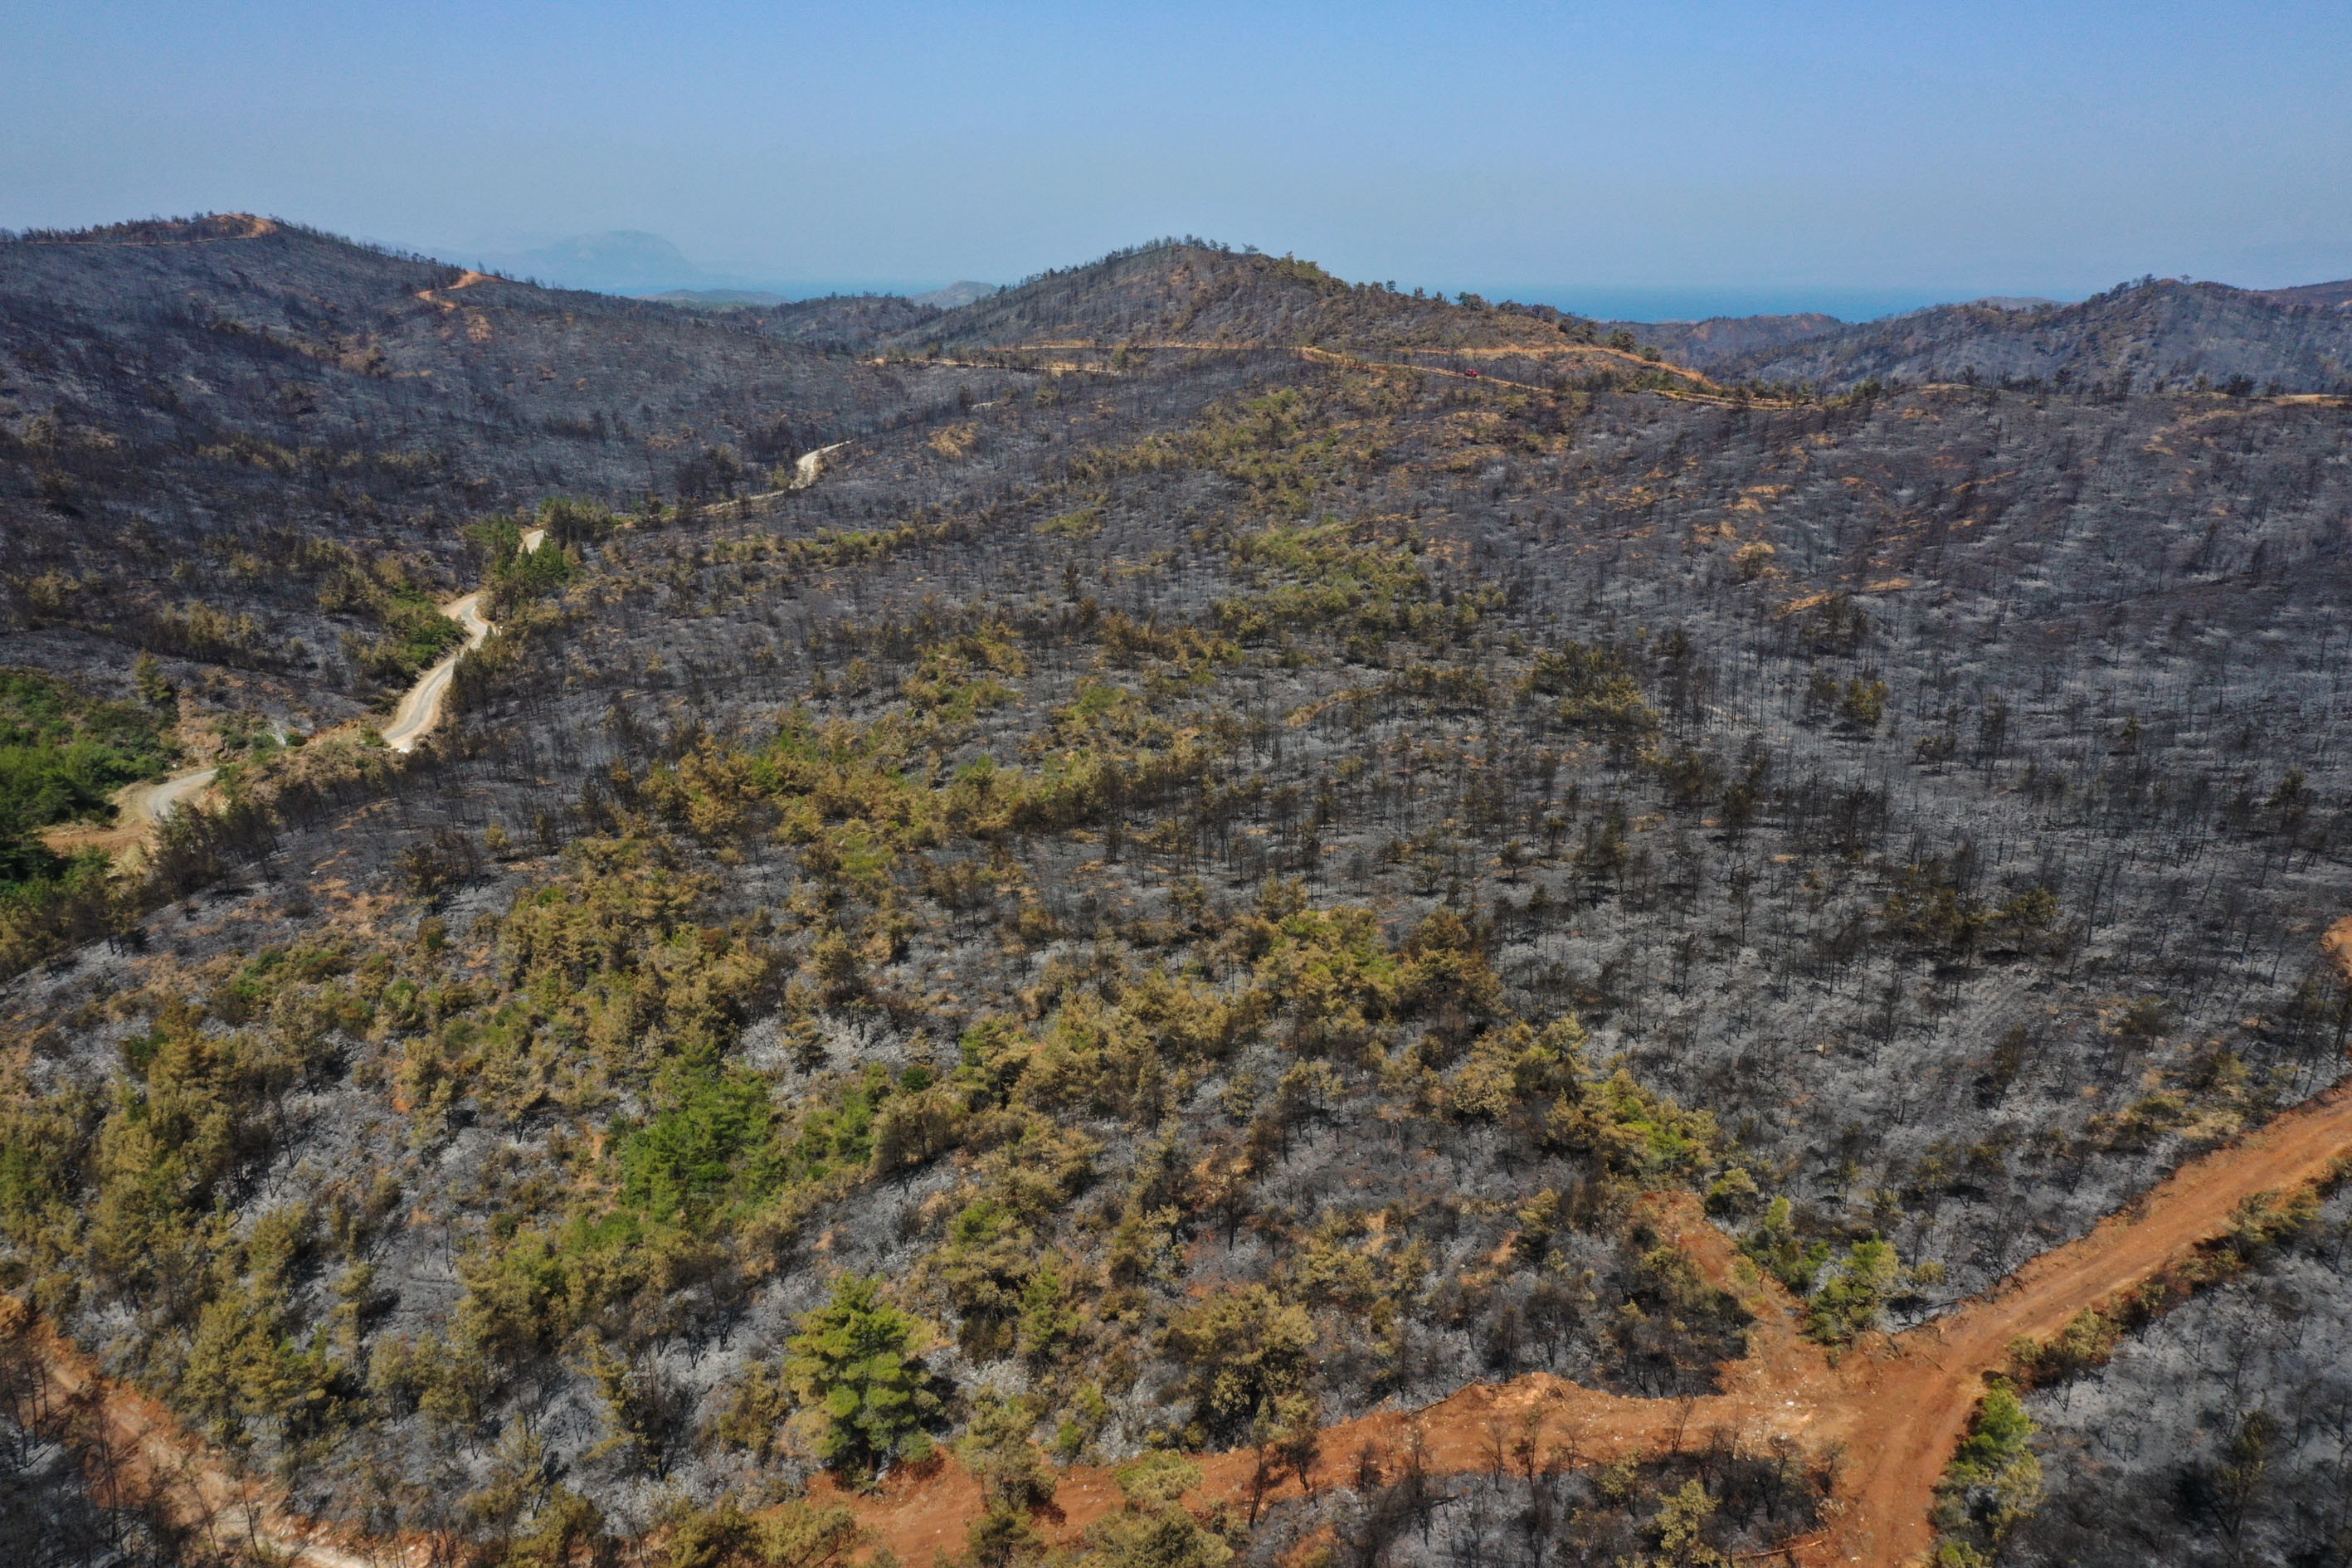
[(1618, 302), (1606, 302)]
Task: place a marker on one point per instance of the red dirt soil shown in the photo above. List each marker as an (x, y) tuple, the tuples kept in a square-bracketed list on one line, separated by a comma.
[(1888, 1415), (157, 1460), (1887, 1418)]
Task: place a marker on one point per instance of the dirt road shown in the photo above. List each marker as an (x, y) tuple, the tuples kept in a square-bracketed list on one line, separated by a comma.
[(808, 465), (1891, 1411), (149, 803), (155, 1459), (1901, 1418), (1888, 1415), (139, 808), (420, 708)]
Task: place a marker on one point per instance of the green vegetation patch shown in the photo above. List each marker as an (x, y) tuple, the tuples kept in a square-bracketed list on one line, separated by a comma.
[(62, 757)]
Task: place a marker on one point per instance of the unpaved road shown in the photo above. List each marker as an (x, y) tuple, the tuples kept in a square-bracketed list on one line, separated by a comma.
[(420, 707), (1902, 1417), (1889, 1414), (1892, 1411), (142, 806), (1340, 356), (157, 1459), (808, 465), (149, 803)]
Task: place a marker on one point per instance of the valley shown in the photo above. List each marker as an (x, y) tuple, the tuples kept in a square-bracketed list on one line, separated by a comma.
[(1187, 912)]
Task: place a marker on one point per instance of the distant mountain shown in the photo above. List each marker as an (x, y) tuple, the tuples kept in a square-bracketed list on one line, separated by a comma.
[(2160, 334), (963, 292)]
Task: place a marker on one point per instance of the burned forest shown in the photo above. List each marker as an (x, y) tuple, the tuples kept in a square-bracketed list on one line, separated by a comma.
[(1190, 913)]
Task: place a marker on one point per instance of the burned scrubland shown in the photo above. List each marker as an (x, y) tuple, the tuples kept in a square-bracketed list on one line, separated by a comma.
[(251, 448), (1180, 893), (2154, 334)]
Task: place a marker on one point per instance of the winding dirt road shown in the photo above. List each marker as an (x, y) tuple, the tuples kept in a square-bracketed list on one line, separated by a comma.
[(420, 707), (140, 807), (1902, 1417), (149, 803), (1884, 1418), (1887, 1418)]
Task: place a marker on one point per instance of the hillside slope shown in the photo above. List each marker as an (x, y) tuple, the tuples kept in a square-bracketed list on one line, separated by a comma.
[(2156, 336), (1162, 903), (214, 423), (849, 321), (2337, 296), (1720, 339), (1192, 292)]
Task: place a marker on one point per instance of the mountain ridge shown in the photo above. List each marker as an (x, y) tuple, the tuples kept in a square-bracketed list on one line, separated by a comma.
[(2160, 334), (1047, 912)]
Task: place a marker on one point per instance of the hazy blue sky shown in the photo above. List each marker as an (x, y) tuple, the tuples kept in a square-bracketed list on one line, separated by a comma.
[(1856, 156)]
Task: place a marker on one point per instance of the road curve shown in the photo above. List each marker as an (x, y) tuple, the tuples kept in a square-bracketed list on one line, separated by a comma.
[(808, 465), (420, 707), (147, 803)]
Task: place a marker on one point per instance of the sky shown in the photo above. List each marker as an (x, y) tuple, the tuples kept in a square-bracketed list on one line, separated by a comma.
[(1637, 158)]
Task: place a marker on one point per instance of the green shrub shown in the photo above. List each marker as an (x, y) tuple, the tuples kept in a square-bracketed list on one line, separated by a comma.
[(62, 757), (1152, 1530), (1850, 1300), (1993, 1482), (712, 1142), (1242, 1349), (855, 1371)]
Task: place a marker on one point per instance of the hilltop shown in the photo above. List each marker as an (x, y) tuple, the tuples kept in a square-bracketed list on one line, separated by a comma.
[(2155, 334), (1200, 886), (1190, 291)]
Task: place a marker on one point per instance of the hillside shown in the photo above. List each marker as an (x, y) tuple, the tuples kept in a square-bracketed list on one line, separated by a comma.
[(2156, 335), (847, 321), (719, 299), (212, 425), (1183, 292), (1214, 938), (2334, 297), (962, 291), (1721, 339)]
